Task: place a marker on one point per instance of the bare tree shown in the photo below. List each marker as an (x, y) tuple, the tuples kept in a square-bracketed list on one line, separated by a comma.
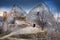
[(40, 20)]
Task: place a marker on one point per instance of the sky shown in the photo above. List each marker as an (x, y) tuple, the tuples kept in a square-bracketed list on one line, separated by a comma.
[(29, 4)]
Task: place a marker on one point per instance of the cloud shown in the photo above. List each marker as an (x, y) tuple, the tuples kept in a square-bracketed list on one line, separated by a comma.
[(56, 15), (4, 9)]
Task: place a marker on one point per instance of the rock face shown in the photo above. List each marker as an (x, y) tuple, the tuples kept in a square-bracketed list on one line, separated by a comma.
[(41, 14), (14, 15), (18, 11), (19, 15)]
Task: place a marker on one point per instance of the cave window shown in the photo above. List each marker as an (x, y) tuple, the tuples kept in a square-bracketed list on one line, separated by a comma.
[(34, 25)]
